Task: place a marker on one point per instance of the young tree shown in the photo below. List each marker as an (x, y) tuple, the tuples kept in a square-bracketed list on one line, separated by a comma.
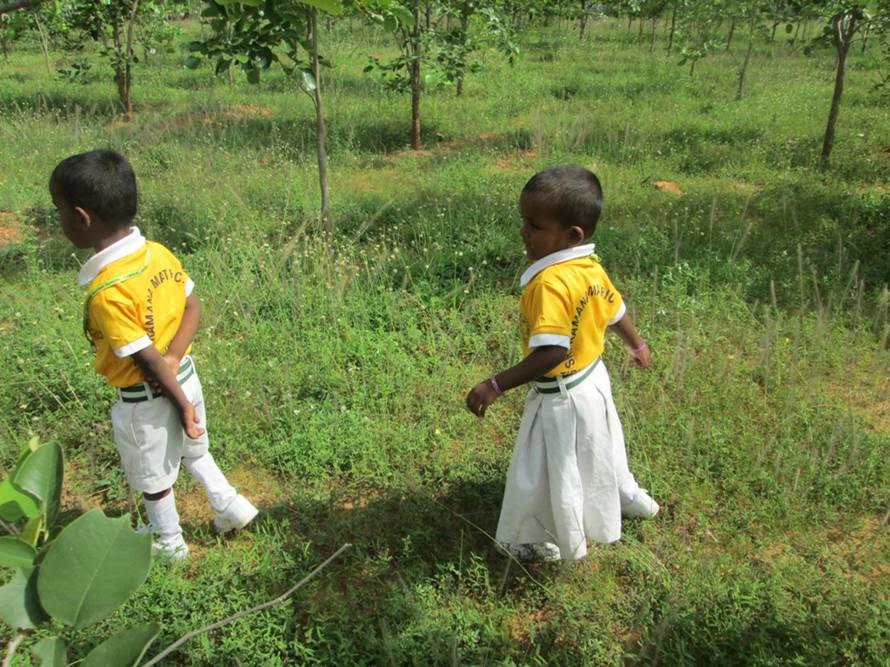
[(847, 18)]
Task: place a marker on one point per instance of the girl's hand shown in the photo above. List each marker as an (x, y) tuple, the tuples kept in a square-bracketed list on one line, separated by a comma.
[(480, 397)]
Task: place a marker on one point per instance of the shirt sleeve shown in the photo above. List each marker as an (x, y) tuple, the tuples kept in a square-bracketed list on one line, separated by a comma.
[(548, 313), (614, 308), (118, 322)]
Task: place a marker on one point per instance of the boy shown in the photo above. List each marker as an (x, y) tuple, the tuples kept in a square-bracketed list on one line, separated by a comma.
[(568, 479), (141, 305)]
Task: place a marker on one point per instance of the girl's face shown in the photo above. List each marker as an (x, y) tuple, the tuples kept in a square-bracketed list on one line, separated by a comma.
[(542, 233)]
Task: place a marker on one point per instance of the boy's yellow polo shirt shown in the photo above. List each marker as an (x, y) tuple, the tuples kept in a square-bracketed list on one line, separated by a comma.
[(568, 300), (137, 291)]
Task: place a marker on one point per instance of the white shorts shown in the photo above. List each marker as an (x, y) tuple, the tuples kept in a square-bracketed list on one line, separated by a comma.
[(149, 435)]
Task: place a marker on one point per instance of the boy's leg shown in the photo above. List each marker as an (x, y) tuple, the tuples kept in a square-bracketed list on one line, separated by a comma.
[(232, 510), (220, 493), (164, 524)]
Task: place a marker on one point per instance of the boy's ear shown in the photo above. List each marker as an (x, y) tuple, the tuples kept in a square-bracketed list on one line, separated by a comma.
[(84, 217), (576, 235)]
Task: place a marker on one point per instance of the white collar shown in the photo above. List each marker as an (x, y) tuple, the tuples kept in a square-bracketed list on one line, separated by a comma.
[(117, 250), (555, 258)]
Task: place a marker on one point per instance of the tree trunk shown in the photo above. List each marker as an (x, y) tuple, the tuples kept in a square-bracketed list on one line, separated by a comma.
[(796, 33), (44, 44), (731, 33), (464, 31), (673, 28), (865, 38), (320, 129), (640, 32), (4, 45), (415, 78), (692, 67), (844, 27), (743, 70), (652, 36), (582, 20)]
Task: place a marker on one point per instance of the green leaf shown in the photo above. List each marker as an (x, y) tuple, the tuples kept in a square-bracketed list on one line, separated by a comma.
[(14, 504), (15, 553), (41, 476), (123, 649), (92, 567), (19, 605), (32, 530), (307, 81), (253, 75), (334, 7), (192, 62), (51, 652)]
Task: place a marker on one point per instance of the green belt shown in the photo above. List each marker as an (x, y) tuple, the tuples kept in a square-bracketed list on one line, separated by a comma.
[(575, 380), (137, 393)]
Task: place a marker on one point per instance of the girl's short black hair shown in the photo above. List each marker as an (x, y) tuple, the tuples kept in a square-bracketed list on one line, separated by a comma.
[(100, 181), (575, 193)]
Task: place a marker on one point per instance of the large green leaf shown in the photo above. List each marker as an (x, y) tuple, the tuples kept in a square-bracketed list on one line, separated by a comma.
[(123, 649), (15, 504), (51, 652), (334, 7), (15, 553), (92, 567), (41, 476), (19, 606)]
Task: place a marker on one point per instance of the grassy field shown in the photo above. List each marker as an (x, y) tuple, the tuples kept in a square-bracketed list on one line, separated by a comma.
[(335, 368)]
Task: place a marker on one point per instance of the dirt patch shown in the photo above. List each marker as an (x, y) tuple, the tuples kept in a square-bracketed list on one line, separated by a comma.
[(259, 486), (249, 111), (668, 186), (886, 152), (519, 161), (864, 394), (10, 228)]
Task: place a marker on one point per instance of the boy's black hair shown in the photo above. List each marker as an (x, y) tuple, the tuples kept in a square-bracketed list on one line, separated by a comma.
[(100, 181), (575, 192)]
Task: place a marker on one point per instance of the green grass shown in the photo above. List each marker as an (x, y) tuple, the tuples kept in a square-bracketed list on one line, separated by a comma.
[(335, 369)]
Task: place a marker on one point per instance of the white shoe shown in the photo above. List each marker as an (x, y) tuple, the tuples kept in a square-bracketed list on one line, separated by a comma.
[(238, 514), (543, 552), (641, 507), (173, 548)]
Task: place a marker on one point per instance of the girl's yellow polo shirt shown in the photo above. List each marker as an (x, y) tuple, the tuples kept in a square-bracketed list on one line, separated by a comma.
[(146, 307), (568, 300)]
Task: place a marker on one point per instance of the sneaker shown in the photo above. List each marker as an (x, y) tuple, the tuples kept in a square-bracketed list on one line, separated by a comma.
[(641, 507), (541, 552), (173, 548), (238, 514)]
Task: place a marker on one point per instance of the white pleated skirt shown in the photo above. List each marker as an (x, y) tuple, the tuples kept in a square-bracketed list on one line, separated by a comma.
[(568, 467)]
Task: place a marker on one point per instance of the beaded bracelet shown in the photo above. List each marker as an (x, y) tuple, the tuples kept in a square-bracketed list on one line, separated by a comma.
[(494, 385)]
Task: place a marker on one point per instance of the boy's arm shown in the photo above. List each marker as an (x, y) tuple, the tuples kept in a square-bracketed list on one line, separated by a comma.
[(540, 361), (185, 334), (635, 343), (157, 372)]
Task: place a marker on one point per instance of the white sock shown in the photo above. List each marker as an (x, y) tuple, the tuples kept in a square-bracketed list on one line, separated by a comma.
[(164, 518), (219, 492)]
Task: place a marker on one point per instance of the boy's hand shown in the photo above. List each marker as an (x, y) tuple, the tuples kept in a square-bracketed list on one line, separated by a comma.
[(642, 356), (190, 421), (480, 397)]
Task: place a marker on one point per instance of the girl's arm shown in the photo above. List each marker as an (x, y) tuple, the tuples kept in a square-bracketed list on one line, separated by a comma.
[(540, 361), (635, 343)]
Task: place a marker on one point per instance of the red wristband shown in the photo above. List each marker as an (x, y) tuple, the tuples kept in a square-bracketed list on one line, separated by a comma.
[(642, 347), (494, 385)]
